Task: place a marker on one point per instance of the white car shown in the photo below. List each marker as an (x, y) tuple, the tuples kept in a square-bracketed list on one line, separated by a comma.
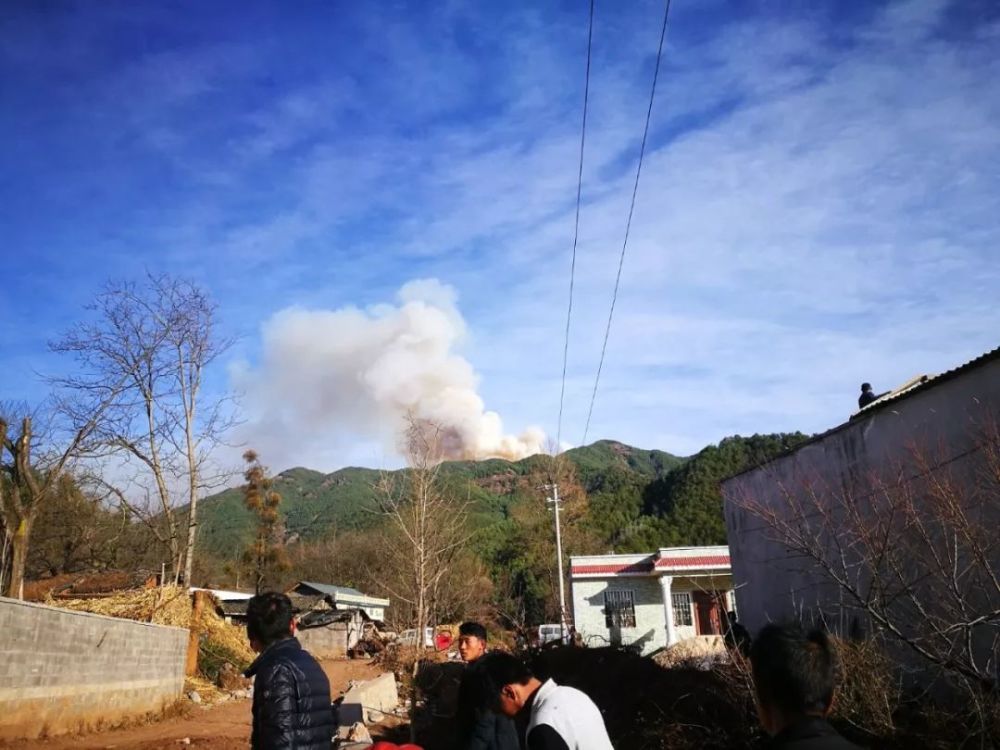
[(552, 632), (409, 637)]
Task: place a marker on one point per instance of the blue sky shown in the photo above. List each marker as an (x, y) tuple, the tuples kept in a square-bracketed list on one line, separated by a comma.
[(820, 201)]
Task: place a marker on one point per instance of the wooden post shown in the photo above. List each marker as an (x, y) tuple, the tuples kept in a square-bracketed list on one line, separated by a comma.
[(191, 664)]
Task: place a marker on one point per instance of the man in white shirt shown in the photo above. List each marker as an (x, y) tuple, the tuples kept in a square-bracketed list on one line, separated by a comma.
[(557, 717)]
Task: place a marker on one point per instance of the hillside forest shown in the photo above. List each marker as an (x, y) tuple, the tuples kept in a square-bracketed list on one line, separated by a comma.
[(616, 498)]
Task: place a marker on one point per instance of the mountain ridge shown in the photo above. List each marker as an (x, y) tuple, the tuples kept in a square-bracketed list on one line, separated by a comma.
[(315, 502)]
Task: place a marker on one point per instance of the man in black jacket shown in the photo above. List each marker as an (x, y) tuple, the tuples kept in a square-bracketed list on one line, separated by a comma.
[(795, 676), (291, 693), (479, 728)]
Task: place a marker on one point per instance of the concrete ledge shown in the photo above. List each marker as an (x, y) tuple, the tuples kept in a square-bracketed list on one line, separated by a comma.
[(75, 708)]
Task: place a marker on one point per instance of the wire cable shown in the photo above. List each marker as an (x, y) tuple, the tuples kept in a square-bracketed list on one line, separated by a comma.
[(576, 224), (628, 222)]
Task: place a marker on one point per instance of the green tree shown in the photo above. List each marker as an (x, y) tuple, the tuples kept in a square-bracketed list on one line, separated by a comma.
[(266, 554), (689, 498)]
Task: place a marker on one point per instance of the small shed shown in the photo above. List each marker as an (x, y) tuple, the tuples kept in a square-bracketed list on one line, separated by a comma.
[(331, 633), (342, 597), (323, 630)]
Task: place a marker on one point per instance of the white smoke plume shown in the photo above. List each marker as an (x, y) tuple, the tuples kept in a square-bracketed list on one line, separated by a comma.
[(353, 373)]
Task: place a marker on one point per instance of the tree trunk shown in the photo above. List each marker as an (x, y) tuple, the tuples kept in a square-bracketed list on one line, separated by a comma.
[(19, 541), (192, 461), (421, 627), (194, 633)]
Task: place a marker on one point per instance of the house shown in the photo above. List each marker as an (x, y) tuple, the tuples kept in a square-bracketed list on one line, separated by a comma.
[(651, 600), (804, 527), (341, 597)]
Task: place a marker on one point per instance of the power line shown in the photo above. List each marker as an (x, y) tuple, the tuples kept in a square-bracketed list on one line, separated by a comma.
[(628, 222), (576, 224)]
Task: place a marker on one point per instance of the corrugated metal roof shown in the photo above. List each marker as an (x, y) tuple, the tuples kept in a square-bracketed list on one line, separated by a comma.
[(329, 590), (916, 385), (923, 382)]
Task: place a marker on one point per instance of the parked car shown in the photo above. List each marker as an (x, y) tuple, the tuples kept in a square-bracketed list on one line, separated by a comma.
[(409, 637), (552, 632)]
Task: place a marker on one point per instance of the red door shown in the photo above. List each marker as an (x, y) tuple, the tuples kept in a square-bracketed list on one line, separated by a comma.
[(709, 615)]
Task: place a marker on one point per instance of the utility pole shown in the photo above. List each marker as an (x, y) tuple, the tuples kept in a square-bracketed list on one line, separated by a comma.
[(554, 500)]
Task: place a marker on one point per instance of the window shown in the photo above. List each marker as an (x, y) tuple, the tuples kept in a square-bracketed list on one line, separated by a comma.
[(682, 609), (619, 609)]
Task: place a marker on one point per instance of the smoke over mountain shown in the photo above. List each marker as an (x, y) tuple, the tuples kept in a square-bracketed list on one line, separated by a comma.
[(353, 373)]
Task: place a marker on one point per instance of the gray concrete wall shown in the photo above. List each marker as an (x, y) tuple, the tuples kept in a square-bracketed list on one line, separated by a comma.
[(63, 671), (331, 641), (945, 420)]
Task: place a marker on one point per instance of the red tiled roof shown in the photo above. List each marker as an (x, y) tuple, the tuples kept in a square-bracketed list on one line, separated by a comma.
[(646, 566), (640, 567), (689, 562)]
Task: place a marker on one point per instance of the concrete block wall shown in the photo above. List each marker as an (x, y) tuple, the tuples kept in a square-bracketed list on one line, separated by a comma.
[(62, 671), (326, 642)]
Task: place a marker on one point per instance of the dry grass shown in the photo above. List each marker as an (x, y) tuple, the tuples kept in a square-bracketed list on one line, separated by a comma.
[(869, 695), (220, 642), (170, 605)]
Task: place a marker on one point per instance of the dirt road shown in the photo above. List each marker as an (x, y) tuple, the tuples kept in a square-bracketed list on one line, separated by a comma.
[(222, 727)]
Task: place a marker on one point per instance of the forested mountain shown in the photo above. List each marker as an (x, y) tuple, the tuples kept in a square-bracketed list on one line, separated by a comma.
[(616, 499), (636, 499), (315, 503)]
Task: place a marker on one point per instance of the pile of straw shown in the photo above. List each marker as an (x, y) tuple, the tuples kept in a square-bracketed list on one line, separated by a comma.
[(170, 605), (220, 642)]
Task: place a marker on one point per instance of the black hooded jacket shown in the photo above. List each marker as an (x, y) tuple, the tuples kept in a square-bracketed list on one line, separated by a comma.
[(291, 700), (812, 733)]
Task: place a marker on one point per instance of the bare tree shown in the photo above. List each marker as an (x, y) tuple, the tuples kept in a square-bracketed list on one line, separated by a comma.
[(158, 338), (31, 466), (913, 554), (432, 524)]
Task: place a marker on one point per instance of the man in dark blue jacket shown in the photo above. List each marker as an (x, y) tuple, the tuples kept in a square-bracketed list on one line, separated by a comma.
[(291, 693), (479, 728)]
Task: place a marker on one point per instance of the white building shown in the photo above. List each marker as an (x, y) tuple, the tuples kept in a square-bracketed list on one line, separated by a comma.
[(652, 600)]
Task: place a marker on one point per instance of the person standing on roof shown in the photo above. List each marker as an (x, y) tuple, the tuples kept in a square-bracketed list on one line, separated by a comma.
[(867, 395)]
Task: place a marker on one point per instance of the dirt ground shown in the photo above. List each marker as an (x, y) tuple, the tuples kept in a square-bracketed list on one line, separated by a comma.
[(225, 726)]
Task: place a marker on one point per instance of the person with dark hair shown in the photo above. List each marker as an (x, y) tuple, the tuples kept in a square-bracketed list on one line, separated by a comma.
[(795, 676), (291, 693), (736, 637), (867, 395), (471, 641), (557, 717), (479, 728)]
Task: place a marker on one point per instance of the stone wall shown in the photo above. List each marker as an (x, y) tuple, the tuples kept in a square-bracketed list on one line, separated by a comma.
[(62, 671), (331, 641)]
